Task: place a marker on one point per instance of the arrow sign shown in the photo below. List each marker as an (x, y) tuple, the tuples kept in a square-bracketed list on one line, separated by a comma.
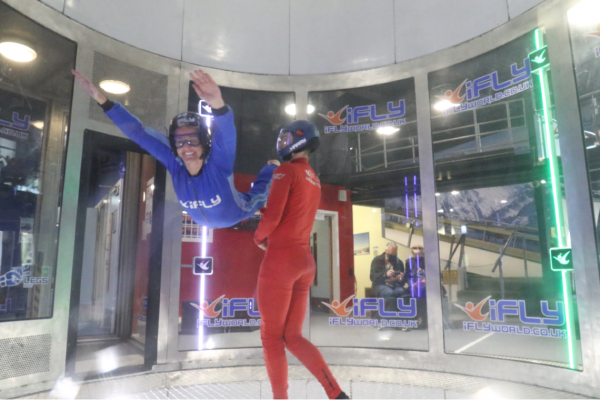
[(203, 265)]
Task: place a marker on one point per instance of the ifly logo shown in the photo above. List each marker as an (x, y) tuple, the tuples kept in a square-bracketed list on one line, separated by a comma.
[(360, 307), (473, 89), (229, 307), (356, 115), (195, 204), (499, 310), (209, 310)]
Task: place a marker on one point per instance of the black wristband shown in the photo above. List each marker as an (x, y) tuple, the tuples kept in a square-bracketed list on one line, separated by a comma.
[(107, 105), (220, 111)]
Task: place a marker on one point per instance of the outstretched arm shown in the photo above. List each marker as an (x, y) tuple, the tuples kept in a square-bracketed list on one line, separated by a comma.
[(89, 87), (150, 140), (224, 136)]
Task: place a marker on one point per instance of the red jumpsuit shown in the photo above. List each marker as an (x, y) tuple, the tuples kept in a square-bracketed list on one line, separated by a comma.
[(286, 275)]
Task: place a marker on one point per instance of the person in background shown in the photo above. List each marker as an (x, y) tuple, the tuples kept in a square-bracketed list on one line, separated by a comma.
[(387, 274), (288, 269)]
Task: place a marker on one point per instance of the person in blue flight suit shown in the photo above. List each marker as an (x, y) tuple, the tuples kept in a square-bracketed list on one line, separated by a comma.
[(199, 154)]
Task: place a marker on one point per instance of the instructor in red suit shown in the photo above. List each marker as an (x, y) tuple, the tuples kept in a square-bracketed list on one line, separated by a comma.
[(288, 269)]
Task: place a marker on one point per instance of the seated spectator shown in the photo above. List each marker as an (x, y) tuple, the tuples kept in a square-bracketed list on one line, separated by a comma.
[(387, 273)]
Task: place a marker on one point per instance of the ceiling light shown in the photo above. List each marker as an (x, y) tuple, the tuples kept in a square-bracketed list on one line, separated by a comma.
[(503, 201), (374, 210), (291, 109), (115, 87), (455, 192), (542, 181), (437, 194), (38, 124), (440, 211), (17, 52), (443, 105), (584, 13), (452, 210), (387, 130)]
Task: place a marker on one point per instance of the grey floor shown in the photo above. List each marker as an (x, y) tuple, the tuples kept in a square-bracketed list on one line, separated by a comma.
[(103, 356), (252, 383)]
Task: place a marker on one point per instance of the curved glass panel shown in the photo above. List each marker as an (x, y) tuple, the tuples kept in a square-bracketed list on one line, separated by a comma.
[(584, 20), (375, 296), (35, 99), (503, 229)]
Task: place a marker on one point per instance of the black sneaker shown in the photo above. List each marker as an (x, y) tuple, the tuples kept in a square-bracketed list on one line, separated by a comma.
[(342, 396)]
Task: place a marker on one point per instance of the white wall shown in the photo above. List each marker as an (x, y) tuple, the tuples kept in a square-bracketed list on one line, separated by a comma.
[(293, 37)]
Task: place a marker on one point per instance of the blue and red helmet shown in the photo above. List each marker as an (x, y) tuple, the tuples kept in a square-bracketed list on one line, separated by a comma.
[(297, 136), (196, 121)]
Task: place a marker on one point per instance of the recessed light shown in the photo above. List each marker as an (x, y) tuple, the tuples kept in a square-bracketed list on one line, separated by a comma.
[(17, 52), (115, 87), (387, 130)]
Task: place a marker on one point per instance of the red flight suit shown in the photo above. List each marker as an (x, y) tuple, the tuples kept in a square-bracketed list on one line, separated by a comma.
[(286, 275)]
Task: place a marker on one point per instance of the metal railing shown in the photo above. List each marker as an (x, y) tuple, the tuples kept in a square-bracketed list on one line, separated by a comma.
[(475, 140)]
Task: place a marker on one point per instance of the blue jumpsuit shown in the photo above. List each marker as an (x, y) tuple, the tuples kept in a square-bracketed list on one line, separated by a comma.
[(210, 198)]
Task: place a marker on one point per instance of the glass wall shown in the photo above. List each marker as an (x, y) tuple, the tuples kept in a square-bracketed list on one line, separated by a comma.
[(218, 308), (35, 97), (370, 291), (502, 223), (584, 20)]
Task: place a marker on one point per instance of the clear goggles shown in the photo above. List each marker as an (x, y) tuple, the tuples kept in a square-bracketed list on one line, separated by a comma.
[(191, 140), (285, 139)]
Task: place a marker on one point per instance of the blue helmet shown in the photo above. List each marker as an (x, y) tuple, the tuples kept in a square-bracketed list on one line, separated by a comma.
[(297, 136)]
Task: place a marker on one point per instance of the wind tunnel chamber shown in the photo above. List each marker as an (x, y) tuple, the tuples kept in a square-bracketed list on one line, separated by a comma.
[(453, 170)]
